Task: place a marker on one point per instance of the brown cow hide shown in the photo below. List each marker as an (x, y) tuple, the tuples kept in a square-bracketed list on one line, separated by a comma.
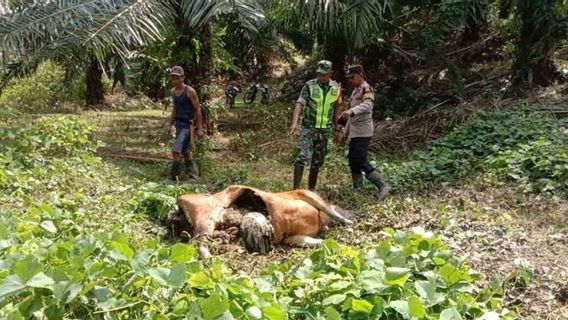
[(259, 218)]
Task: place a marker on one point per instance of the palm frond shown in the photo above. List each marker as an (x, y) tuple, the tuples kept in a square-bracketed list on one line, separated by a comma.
[(248, 13), (354, 21), (92, 23)]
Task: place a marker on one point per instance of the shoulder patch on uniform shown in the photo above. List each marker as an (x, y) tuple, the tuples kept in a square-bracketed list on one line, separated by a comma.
[(368, 92)]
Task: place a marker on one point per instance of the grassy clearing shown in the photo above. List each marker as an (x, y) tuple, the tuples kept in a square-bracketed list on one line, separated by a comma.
[(498, 230), (501, 230)]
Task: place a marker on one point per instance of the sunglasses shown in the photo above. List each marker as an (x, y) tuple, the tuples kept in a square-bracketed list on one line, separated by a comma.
[(175, 77)]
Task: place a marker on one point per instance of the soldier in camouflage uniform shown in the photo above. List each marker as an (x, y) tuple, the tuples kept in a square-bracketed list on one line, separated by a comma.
[(318, 100)]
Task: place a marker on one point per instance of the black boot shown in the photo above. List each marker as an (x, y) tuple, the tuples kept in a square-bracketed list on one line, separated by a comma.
[(298, 173), (191, 166), (313, 178), (176, 170), (383, 187), (357, 181)]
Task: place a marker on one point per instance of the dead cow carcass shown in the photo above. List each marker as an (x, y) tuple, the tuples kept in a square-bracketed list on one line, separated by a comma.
[(261, 218)]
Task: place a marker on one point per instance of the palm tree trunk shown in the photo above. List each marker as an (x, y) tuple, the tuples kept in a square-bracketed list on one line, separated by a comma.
[(335, 51), (534, 58), (204, 73), (94, 78)]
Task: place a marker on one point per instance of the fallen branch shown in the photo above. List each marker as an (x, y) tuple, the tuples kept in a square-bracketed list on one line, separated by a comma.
[(407, 54), (475, 45), (120, 308), (484, 81), (131, 157), (431, 109), (271, 142)]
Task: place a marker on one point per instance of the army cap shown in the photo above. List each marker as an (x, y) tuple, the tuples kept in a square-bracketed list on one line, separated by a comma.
[(353, 70), (324, 66)]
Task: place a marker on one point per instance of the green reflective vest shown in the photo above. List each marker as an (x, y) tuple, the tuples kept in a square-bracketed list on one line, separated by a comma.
[(319, 107)]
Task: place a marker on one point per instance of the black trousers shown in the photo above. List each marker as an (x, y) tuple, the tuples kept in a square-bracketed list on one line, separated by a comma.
[(358, 149)]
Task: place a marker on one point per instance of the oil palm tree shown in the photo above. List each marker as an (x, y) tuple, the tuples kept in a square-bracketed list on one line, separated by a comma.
[(340, 26), (88, 30)]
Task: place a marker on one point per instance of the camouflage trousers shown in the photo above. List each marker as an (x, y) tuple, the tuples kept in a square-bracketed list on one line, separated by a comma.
[(312, 146)]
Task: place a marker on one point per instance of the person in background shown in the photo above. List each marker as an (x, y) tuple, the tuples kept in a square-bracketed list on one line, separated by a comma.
[(360, 129), (318, 100), (186, 105)]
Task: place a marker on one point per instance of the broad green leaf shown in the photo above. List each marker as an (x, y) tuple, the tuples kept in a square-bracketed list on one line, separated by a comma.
[(383, 249), (214, 306), (123, 248), (332, 314), (74, 290), (450, 314), (401, 307), (180, 308), (140, 261), (49, 226), (361, 305), (11, 286), (400, 236), (331, 244), (371, 281), (397, 276), (102, 293), (160, 275), (201, 280), (60, 289), (27, 268), (177, 276), (182, 252), (416, 307), (40, 280), (339, 285), (462, 286), (274, 312), (334, 299), (451, 274), (427, 291)]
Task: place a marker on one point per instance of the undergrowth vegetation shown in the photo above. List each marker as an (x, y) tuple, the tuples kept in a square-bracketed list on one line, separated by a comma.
[(45, 90), (72, 246), (524, 146)]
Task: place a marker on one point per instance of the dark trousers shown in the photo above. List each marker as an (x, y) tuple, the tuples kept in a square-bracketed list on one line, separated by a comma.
[(358, 149), (182, 143)]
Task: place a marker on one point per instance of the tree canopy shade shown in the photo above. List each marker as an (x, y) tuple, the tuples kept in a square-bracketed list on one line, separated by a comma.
[(33, 28), (31, 32)]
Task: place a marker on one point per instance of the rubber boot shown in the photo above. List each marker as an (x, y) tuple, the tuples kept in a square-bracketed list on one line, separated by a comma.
[(357, 181), (191, 166), (176, 170), (298, 173), (313, 178), (383, 187)]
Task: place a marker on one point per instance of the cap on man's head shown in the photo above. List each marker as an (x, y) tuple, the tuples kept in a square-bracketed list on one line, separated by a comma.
[(324, 66), (177, 71), (353, 70)]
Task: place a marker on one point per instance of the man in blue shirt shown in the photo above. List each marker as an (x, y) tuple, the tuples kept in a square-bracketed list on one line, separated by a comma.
[(186, 104)]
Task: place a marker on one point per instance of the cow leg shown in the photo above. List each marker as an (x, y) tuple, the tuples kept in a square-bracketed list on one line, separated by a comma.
[(303, 241)]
